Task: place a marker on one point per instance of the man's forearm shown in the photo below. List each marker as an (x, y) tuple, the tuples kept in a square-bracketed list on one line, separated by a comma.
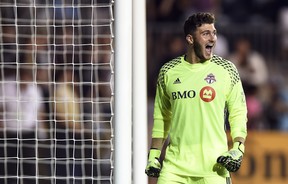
[(157, 143), (239, 139)]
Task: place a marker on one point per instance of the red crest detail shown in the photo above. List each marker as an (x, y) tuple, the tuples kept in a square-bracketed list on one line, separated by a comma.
[(207, 94)]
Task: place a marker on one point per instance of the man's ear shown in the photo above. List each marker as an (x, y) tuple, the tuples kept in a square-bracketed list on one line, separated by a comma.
[(189, 39)]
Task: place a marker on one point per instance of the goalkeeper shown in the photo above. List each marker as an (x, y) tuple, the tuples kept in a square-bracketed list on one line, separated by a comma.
[(194, 92)]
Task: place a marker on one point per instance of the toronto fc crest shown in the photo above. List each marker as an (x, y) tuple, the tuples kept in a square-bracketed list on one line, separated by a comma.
[(210, 78)]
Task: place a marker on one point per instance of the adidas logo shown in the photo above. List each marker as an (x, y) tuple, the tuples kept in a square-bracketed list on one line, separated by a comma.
[(177, 81)]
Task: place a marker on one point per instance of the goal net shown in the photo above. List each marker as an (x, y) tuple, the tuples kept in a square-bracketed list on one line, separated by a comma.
[(56, 86)]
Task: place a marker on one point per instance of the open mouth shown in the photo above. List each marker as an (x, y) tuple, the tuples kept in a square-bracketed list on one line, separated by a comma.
[(208, 49)]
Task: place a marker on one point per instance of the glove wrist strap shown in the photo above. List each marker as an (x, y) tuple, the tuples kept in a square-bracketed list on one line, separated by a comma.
[(239, 145)]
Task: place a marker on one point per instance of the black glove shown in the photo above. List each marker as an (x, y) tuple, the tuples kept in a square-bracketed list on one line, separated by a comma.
[(153, 167), (232, 159)]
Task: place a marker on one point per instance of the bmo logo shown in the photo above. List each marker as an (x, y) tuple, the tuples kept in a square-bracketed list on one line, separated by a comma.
[(207, 94)]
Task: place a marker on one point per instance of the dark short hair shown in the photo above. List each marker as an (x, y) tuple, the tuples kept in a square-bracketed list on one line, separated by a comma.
[(196, 20)]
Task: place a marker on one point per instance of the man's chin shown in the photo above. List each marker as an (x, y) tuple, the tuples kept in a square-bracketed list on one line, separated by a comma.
[(207, 57)]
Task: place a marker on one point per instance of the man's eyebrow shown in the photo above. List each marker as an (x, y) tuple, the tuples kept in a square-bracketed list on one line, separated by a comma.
[(207, 30)]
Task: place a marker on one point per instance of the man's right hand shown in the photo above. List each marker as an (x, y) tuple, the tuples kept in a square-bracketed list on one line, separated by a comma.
[(153, 167)]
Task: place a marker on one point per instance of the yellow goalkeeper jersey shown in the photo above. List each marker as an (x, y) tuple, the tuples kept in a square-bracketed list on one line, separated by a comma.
[(190, 106)]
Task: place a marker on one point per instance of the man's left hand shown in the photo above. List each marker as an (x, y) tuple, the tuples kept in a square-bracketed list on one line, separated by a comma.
[(232, 159)]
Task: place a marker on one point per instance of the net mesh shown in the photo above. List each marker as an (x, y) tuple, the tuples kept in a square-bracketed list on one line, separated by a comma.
[(56, 86)]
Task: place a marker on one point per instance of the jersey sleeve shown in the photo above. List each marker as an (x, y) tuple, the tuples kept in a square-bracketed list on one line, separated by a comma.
[(236, 104), (162, 109)]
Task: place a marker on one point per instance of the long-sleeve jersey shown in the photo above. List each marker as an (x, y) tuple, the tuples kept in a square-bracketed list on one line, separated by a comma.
[(190, 106)]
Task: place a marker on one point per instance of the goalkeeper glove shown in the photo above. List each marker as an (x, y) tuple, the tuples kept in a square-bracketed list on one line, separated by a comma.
[(232, 159), (153, 167)]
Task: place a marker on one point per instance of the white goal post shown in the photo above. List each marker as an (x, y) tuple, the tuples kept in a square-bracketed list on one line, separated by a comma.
[(139, 81), (130, 92)]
